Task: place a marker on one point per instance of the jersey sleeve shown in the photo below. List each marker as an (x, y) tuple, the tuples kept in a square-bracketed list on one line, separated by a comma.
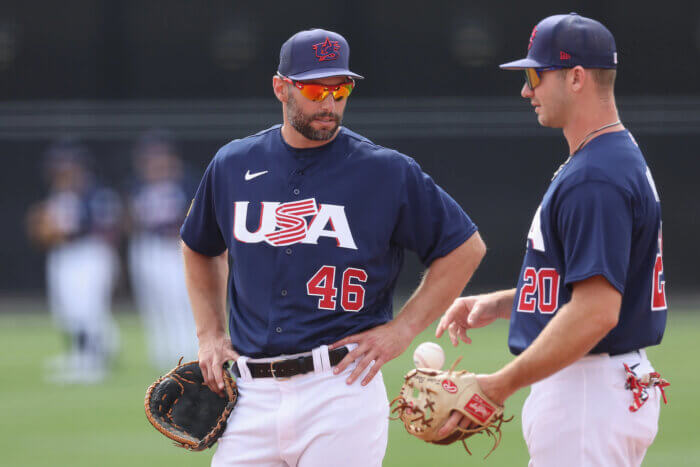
[(595, 222), (430, 222), (200, 231)]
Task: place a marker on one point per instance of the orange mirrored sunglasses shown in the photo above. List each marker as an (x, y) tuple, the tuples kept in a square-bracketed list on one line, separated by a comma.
[(318, 92), (533, 77)]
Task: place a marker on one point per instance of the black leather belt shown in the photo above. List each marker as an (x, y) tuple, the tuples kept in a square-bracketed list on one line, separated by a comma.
[(288, 367), (613, 354)]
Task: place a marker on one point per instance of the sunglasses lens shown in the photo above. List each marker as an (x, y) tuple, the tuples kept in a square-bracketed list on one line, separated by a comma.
[(343, 90), (532, 78), (315, 92)]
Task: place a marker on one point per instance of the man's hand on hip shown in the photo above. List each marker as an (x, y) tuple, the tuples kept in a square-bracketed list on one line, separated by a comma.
[(380, 344)]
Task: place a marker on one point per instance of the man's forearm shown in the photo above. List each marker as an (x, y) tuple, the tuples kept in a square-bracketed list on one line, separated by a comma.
[(505, 302), (205, 278), (572, 333), (442, 283)]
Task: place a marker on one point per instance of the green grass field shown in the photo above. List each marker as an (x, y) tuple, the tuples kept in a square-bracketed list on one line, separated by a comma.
[(105, 425)]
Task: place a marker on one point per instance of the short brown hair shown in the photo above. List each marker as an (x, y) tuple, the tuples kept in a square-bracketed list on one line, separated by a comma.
[(604, 77)]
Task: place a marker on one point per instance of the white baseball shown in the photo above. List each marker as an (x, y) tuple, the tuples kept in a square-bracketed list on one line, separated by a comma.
[(429, 355)]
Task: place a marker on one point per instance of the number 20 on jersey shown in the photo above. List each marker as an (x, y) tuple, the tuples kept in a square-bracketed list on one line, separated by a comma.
[(540, 291)]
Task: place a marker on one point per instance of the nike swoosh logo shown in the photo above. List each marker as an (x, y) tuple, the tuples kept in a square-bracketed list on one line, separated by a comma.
[(250, 176)]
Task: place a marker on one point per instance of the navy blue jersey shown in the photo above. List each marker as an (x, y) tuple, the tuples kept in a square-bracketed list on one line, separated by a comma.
[(93, 211), (600, 216), (159, 208), (316, 237)]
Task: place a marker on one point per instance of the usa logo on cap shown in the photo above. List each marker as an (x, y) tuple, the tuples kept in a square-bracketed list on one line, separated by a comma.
[(327, 50), (532, 37)]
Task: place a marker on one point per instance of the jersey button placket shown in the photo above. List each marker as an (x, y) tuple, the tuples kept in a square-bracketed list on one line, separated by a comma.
[(296, 181)]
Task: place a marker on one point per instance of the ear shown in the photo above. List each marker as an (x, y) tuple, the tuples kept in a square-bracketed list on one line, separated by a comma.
[(577, 78), (280, 89)]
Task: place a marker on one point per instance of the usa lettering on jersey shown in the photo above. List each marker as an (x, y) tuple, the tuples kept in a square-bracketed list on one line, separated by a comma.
[(535, 238), (283, 224)]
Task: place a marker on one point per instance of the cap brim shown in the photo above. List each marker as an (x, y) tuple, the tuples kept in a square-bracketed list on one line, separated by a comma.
[(325, 73), (522, 64)]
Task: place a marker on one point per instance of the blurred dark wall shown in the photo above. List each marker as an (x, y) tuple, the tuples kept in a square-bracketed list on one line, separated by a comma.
[(107, 70), (113, 49)]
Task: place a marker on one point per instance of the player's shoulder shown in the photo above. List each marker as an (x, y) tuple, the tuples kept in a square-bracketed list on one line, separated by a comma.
[(613, 158), (361, 147), (242, 147)]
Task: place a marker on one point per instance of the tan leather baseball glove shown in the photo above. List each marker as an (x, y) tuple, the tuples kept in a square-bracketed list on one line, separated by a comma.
[(428, 397)]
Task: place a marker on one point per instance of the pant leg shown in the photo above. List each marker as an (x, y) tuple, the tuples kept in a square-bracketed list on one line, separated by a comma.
[(82, 276), (146, 269), (634, 431), (57, 289), (97, 265), (182, 335), (251, 436), (342, 425), (580, 417)]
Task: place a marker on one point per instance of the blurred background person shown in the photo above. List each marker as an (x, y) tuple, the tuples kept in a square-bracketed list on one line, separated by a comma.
[(77, 225), (159, 196)]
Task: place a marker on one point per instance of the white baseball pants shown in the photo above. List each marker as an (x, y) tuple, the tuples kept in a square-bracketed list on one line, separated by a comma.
[(158, 281), (309, 420), (580, 415), (80, 280)]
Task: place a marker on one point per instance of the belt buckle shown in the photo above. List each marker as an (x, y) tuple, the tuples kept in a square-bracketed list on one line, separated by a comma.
[(272, 370)]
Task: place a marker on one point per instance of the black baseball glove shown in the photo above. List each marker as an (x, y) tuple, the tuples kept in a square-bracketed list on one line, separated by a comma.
[(185, 410)]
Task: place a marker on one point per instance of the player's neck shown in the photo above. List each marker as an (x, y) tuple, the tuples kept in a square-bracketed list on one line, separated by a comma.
[(298, 141), (588, 124)]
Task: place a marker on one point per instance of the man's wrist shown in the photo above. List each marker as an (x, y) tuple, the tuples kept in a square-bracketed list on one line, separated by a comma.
[(212, 335), (407, 327), (505, 303), (496, 386)]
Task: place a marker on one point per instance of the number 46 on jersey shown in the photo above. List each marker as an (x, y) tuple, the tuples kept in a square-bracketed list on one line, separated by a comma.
[(352, 293)]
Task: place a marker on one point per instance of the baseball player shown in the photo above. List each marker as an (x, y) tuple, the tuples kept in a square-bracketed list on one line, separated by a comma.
[(591, 292), (314, 220), (158, 199), (78, 223)]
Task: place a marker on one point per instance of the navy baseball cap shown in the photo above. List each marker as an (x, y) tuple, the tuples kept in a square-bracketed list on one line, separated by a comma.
[(315, 53), (567, 41)]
